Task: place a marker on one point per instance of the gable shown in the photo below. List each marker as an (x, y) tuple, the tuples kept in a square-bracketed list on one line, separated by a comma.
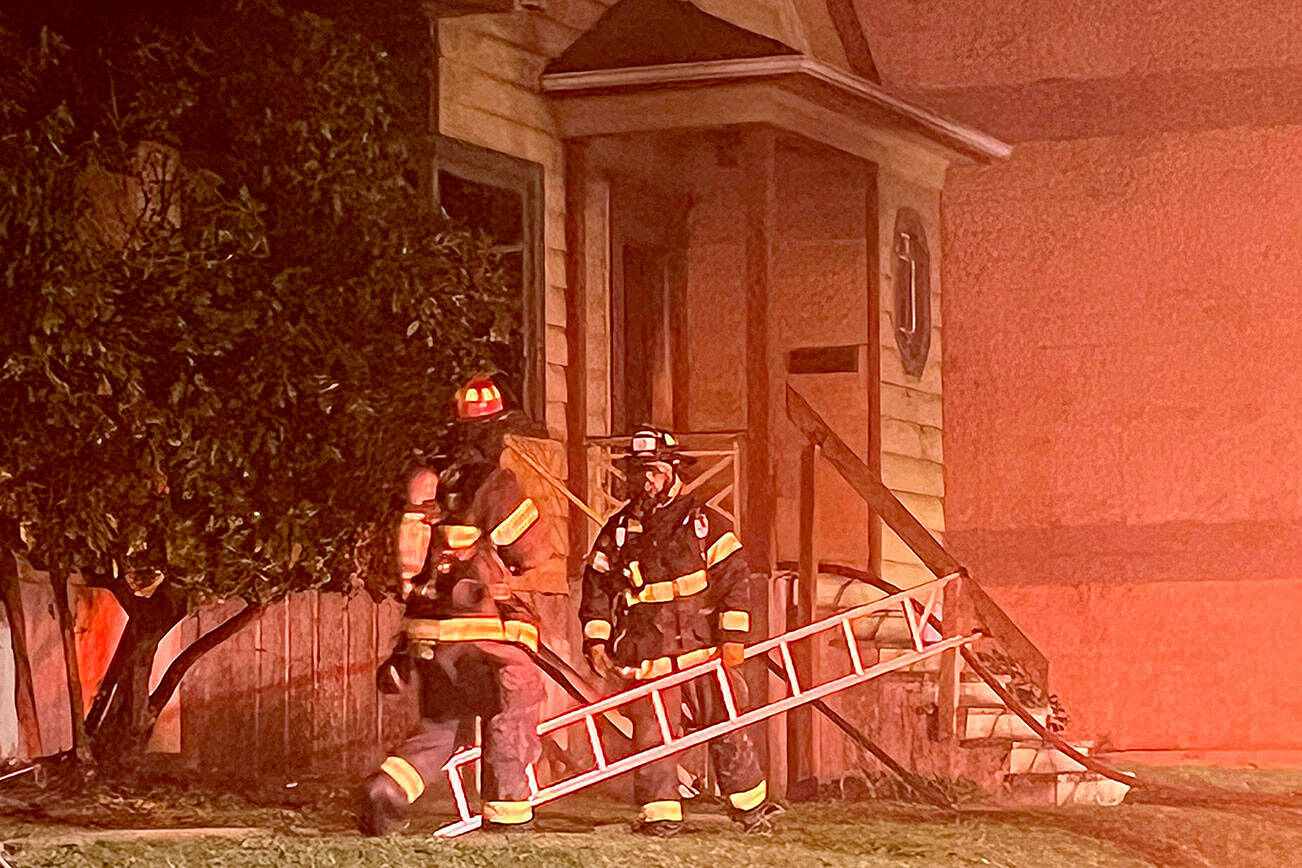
[(636, 33)]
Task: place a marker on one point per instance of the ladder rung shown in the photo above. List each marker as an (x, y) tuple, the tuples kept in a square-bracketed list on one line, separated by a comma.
[(598, 752), (790, 666), (663, 719), (852, 646), (725, 688), (458, 792)]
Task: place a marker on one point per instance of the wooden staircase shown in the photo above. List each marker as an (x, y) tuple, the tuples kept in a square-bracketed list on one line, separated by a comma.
[(991, 700)]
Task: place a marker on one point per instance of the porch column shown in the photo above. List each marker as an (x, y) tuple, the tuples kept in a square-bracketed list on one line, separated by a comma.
[(576, 408), (758, 158)]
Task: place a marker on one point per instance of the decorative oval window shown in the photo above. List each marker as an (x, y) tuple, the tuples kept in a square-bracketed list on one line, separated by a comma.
[(912, 291)]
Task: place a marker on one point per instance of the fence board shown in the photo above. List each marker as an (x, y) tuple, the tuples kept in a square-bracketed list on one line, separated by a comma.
[(331, 705)]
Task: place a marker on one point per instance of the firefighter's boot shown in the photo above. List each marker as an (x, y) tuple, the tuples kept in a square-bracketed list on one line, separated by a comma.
[(757, 821), (658, 828), (384, 810)]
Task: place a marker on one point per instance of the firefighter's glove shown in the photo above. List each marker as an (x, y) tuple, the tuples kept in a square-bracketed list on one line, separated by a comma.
[(599, 660), (733, 654), (393, 674)]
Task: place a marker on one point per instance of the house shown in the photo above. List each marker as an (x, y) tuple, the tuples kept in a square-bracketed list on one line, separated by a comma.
[(716, 205)]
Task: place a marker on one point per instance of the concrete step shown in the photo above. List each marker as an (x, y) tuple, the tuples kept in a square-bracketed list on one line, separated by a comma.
[(977, 694), (1063, 788), (928, 668), (997, 724), (889, 630), (1036, 757)]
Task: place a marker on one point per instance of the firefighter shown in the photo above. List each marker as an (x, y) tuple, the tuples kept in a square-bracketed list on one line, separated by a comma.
[(466, 638), (665, 587)]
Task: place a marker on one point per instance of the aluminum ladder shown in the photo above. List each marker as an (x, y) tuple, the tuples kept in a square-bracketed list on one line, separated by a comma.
[(797, 694)]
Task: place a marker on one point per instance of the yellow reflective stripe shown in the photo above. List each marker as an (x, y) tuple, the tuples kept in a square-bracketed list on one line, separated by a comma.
[(635, 574), (648, 669), (460, 536), (524, 633), (508, 813), (750, 799), (657, 667), (691, 658), (596, 630), (413, 516), (655, 812), (664, 592), (471, 630), (723, 546), (692, 583), (515, 524), (634, 526), (404, 774), (734, 621), (600, 562)]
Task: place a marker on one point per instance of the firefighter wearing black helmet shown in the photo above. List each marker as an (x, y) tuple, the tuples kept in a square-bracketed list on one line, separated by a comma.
[(466, 638), (665, 587)]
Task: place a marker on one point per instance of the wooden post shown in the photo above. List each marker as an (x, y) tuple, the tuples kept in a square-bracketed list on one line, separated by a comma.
[(874, 378), (950, 664), (576, 408), (759, 197), (804, 744)]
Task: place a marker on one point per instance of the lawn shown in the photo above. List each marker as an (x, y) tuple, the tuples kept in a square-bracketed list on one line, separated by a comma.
[(312, 828)]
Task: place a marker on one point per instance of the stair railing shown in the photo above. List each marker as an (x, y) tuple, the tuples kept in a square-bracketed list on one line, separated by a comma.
[(966, 607)]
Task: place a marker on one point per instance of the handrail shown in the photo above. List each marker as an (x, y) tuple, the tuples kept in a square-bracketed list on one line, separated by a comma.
[(967, 606), (861, 478)]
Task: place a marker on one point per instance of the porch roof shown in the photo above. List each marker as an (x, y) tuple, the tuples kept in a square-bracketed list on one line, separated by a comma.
[(640, 45)]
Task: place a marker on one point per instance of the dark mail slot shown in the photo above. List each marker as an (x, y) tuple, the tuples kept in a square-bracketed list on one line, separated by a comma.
[(824, 360)]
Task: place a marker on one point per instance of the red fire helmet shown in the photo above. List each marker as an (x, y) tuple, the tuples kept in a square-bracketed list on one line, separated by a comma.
[(479, 399)]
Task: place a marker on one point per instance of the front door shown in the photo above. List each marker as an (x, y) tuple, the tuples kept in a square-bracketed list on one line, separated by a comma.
[(648, 318)]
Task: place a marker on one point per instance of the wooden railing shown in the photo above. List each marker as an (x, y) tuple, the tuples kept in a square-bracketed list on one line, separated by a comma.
[(966, 608), (714, 477)]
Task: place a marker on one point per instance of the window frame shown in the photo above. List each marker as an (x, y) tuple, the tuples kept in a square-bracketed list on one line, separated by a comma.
[(523, 177)]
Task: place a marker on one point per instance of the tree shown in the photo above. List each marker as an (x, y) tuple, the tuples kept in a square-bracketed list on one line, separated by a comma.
[(232, 320)]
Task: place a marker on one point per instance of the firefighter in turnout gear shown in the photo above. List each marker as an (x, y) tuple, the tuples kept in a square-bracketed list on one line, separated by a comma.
[(466, 638), (665, 588)]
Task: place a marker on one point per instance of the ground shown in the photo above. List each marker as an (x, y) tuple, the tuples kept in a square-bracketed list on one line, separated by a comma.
[(1253, 820)]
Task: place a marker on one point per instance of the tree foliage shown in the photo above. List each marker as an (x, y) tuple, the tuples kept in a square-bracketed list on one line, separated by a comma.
[(231, 320)]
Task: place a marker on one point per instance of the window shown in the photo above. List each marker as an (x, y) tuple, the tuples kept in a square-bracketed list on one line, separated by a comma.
[(502, 196)]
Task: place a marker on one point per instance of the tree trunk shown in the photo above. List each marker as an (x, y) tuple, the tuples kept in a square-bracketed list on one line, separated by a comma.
[(59, 583), (29, 731), (121, 719)]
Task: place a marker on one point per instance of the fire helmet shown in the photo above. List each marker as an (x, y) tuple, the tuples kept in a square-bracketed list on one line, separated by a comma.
[(479, 399), (651, 444)]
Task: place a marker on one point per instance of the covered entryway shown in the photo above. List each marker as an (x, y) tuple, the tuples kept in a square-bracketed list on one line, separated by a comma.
[(726, 232)]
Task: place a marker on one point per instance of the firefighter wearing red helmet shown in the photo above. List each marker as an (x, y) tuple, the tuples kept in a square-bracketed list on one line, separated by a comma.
[(466, 637), (665, 587)]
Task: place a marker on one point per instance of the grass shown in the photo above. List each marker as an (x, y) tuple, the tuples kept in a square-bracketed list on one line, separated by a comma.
[(314, 829), (811, 835)]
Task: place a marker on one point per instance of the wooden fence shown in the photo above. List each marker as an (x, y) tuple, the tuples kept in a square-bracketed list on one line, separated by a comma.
[(293, 694)]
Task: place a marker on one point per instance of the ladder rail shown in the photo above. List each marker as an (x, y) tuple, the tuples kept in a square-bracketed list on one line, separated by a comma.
[(763, 647), (701, 736)]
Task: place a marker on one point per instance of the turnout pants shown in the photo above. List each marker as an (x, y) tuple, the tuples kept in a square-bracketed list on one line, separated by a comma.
[(495, 681), (689, 707)]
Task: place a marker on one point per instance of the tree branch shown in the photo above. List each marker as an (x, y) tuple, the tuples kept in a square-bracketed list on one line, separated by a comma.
[(187, 658)]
